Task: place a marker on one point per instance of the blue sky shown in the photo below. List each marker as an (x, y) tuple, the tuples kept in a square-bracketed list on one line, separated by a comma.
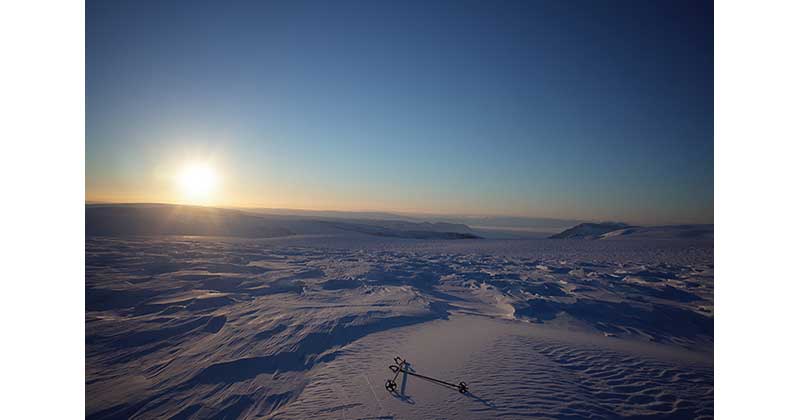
[(582, 109)]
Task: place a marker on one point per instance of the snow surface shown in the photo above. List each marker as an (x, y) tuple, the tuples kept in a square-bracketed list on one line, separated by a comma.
[(306, 326)]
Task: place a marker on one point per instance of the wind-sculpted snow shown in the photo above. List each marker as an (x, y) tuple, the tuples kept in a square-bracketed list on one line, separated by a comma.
[(514, 371), (187, 327)]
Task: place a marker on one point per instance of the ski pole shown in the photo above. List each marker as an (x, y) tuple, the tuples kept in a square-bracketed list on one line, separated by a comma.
[(391, 384)]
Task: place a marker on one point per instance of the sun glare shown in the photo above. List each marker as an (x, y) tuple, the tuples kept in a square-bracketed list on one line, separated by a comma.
[(197, 181)]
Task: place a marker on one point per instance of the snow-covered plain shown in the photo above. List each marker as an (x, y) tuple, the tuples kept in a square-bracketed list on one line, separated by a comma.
[(306, 326)]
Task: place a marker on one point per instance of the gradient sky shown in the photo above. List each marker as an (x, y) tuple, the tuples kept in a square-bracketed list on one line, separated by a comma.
[(573, 109)]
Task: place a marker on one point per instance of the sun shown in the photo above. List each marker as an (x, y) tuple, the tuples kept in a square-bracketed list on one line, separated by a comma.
[(197, 181)]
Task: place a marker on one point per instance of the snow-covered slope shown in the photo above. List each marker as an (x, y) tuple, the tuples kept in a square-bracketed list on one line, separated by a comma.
[(589, 230), (704, 232), (623, 231)]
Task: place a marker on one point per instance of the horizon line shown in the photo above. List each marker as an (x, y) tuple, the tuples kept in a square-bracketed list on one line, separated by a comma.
[(388, 212)]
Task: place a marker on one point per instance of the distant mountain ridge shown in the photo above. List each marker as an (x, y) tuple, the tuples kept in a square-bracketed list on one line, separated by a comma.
[(701, 232), (510, 223), (168, 219), (589, 230), (618, 231)]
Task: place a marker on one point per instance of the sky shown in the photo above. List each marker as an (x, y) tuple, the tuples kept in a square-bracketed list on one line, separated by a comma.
[(593, 110)]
